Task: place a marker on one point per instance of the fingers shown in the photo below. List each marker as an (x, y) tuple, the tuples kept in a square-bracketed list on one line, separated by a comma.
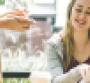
[(85, 72)]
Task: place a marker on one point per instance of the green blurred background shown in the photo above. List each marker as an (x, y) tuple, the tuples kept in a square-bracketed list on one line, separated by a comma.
[(16, 80), (2, 2)]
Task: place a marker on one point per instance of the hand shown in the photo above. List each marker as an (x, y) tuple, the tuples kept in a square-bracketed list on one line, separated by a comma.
[(17, 12), (82, 81), (85, 73), (18, 24), (15, 20)]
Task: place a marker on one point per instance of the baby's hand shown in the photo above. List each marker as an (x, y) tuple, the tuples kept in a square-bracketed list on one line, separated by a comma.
[(85, 73), (82, 81)]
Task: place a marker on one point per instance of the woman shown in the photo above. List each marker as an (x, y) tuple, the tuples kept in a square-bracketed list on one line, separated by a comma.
[(67, 53)]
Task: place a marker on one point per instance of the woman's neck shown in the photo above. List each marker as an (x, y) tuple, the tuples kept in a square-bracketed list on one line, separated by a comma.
[(80, 38)]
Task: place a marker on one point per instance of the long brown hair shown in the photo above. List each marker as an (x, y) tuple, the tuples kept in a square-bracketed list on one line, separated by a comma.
[(68, 38)]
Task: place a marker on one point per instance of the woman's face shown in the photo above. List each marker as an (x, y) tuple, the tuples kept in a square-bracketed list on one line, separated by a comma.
[(80, 15)]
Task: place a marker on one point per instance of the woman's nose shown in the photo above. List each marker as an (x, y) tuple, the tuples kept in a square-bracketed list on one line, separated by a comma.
[(82, 16)]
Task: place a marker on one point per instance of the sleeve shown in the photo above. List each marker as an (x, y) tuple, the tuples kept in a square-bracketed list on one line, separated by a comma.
[(55, 67)]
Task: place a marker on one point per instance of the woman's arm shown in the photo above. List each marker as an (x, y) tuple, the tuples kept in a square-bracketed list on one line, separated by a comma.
[(55, 65)]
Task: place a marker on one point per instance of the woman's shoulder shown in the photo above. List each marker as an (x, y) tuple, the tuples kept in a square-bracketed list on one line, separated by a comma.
[(56, 38)]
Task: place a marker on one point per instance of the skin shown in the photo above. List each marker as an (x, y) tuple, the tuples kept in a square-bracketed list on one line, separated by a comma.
[(80, 20), (81, 15), (13, 19)]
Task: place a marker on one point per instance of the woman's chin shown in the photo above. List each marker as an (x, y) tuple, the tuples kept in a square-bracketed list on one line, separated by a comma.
[(79, 27)]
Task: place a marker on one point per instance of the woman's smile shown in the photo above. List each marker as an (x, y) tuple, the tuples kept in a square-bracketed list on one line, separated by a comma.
[(80, 22)]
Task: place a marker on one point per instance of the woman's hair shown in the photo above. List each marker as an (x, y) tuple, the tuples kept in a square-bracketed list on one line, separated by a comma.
[(68, 38)]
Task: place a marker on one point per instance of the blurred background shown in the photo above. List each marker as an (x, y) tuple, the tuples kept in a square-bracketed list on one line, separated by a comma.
[(23, 52)]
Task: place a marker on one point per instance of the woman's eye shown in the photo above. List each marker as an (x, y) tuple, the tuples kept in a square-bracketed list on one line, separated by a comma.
[(78, 10), (88, 13)]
